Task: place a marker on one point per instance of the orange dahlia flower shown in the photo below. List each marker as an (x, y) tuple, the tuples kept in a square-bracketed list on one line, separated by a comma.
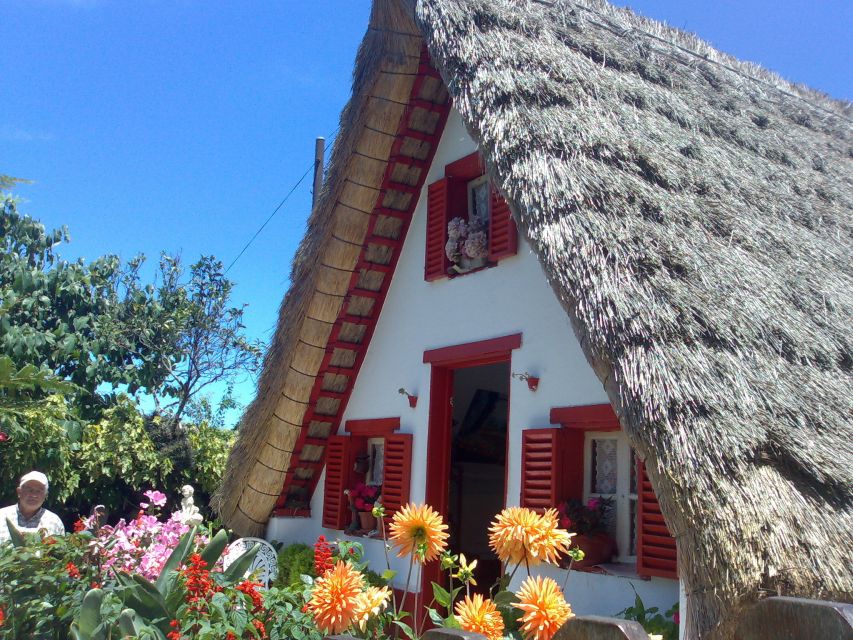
[(369, 603), (418, 530), (334, 598), (549, 541), (545, 609), (480, 616), (520, 535), (511, 534)]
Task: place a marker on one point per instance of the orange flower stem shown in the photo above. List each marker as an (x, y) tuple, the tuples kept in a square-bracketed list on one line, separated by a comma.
[(387, 559), (568, 573), (417, 599), (408, 578)]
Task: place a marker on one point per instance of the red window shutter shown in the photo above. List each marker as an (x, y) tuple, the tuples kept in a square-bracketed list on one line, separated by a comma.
[(336, 513), (503, 234), (656, 552), (436, 262), (541, 471), (398, 473)]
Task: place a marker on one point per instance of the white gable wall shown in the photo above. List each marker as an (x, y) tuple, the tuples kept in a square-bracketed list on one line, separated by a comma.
[(513, 297)]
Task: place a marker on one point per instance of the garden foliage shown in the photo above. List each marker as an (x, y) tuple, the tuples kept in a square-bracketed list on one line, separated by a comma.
[(85, 345)]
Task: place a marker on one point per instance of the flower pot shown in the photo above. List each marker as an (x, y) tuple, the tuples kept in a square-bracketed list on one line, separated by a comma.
[(532, 383), (413, 401), (598, 548), (366, 521)]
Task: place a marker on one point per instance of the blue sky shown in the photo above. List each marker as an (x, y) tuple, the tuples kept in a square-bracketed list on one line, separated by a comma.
[(179, 125)]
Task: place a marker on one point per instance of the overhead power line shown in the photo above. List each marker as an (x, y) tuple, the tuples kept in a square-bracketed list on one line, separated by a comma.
[(276, 210)]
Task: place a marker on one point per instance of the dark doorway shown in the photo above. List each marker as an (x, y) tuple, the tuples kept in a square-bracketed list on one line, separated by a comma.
[(478, 449)]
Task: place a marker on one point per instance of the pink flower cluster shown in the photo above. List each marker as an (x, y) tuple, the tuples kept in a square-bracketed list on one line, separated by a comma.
[(144, 544)]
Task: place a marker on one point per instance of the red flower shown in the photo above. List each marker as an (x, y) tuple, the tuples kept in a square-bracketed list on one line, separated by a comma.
[(676, 618), (73, 571), (250, 589), (79, 525), (3, 438), (94, 585), (173, 635), (2, 613), (199, 584), (230, 636), (49, 540), (322, 556), (260, 627), (174, 624)]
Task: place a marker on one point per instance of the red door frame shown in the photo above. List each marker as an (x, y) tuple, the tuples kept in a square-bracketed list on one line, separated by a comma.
[(444, 362)]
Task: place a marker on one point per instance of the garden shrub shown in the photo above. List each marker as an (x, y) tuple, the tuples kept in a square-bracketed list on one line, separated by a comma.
[(294, 560)]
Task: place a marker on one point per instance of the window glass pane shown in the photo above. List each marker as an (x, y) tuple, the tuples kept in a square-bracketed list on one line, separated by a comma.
[(376, 451), (480, 201), (632, 534), (633, 472), (603, 466)]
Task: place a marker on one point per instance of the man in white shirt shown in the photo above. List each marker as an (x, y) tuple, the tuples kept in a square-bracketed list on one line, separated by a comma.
[(29, 515)]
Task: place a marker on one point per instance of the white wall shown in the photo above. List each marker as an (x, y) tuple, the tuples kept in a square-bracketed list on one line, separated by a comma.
[(418, 315)]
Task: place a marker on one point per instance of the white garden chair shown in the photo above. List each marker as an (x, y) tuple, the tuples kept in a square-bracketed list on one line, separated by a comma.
[(265, 564)]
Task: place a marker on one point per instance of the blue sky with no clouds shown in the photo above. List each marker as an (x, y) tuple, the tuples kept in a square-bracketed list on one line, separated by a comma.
[(180, 125)]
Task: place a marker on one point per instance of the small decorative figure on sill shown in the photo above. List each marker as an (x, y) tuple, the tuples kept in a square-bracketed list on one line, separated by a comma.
[(467, 244)]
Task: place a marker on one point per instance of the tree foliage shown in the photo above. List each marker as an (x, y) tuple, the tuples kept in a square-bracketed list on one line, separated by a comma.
[(76, 336)]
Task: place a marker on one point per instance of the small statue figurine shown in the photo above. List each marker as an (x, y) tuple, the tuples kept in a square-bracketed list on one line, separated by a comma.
[(189, 512)]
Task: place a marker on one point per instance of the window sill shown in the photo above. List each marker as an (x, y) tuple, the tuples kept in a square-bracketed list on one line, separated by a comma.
[(615, 569), (370, 535), (453, 273)]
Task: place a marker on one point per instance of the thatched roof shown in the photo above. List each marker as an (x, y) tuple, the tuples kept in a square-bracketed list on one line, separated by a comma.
[(693, 215)]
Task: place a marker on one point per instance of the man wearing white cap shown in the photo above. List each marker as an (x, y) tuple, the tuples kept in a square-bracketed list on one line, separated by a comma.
[(29, 515)]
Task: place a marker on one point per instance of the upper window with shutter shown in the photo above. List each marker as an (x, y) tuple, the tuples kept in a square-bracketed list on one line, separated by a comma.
[(469, 224)]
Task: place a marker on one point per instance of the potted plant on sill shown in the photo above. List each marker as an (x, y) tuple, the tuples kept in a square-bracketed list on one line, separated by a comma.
[(589, 522), (467, 244), (362, 497)]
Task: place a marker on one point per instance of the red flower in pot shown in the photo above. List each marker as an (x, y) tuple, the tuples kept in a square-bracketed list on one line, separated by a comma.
[(589, 522)]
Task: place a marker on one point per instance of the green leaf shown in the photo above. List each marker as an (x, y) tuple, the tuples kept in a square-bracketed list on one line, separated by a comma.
[(504, 598), (406, 629), (210, 554), (90, 614), (442, 596), (15, 536), (240, 566), (436, 618), (176, 558)]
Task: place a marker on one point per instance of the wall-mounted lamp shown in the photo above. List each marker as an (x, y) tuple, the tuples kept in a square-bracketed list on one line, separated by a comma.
[(532, 381), (413, 399)]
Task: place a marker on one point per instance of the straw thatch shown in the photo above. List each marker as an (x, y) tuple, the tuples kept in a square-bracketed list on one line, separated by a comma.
[(693, 215)]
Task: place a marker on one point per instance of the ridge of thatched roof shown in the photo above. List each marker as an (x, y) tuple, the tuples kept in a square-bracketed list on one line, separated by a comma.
[(693, 215)]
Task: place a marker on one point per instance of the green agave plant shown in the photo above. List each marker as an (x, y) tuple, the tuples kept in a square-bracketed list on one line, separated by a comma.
[(151, 606)]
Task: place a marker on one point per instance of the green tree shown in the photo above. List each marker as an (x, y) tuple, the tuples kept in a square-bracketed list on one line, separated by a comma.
[(76, 319), (210, 342), (74, 335)]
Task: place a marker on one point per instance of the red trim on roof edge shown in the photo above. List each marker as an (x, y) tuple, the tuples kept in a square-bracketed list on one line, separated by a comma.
[(483, 349), (403, 131)]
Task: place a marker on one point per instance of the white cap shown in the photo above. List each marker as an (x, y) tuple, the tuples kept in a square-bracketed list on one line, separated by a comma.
[(38, 476)]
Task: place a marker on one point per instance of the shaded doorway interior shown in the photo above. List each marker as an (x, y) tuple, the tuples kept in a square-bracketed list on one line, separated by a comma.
[(477, 486)]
